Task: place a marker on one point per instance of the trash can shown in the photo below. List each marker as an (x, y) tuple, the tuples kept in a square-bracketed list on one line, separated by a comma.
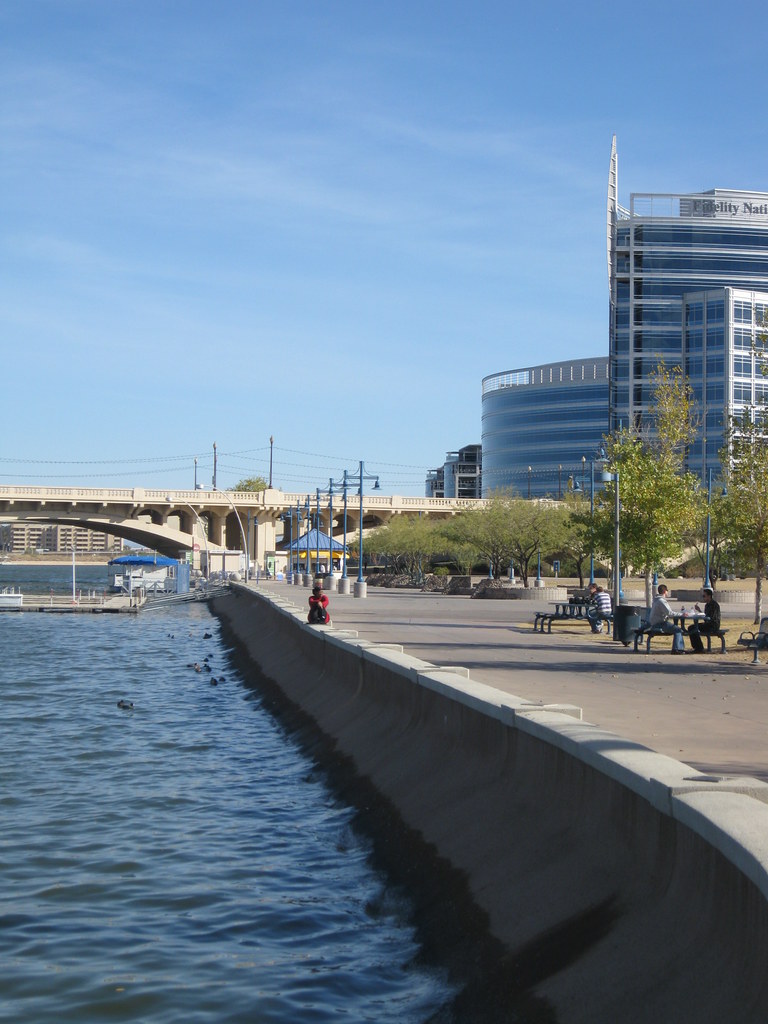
[(626, 619)]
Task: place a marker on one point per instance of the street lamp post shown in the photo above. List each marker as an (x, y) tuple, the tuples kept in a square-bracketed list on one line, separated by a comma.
[(601, 458), (330, 530), (344, 553), (344, 485), (292, 574), (317, 531), (271, 442), (616, 556), (592, 520), (560, 483), (330, 582), (297, 575), (287, 518), (308, 517), (723, 493), (361, 587), (707, 581), (529, 483), (193, 510), (242, 534)]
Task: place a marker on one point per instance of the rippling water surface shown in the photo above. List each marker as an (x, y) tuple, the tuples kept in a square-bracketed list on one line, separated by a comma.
[(182, 861)]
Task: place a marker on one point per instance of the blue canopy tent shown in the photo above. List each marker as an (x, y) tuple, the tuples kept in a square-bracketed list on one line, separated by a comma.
[(143, 560), (306, 547)]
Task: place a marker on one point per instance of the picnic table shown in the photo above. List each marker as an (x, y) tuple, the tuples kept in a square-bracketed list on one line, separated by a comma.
[(678, 619), (565, 611)]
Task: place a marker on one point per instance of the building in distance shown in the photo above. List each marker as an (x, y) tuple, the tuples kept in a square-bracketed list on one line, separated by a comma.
[(460, 476), (21, 538)]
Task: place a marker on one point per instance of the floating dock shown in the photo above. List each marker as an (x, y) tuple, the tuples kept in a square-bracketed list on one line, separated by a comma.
[(95, 603)]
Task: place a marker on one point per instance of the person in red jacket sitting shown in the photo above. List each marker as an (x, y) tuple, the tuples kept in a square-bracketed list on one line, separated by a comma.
[(318, 606)]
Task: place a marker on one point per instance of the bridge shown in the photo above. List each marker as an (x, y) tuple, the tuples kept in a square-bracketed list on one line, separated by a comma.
[(176, 522)]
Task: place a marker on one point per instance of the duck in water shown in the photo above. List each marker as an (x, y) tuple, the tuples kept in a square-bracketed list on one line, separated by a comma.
[(125, 705)]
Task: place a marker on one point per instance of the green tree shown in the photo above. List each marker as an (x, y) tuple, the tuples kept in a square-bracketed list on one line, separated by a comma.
[(452, 541), (408, 541), (720, 541), (746, 503), (572, 532), (250, 483), (659, 501), (507, 529), (536, 527)]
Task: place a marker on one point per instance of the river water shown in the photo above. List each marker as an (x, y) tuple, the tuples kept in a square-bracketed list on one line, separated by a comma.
[(184, 860), (193, 859)]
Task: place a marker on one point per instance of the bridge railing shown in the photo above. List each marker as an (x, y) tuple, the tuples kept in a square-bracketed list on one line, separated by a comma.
[(271, 499)]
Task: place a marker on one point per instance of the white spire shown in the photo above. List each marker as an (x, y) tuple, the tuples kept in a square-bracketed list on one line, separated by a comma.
[(613, 184)]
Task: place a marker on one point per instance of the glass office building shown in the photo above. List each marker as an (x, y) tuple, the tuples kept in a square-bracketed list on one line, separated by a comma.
[(542, 425), (688, 279)]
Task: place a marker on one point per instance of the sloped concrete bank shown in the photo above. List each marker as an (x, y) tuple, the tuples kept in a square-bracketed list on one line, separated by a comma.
[(556, 823)]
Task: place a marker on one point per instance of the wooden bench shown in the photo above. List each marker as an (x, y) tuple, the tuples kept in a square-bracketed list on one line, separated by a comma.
[(755, 641)]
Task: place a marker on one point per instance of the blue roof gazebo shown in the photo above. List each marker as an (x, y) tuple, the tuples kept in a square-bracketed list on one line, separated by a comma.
[(306, 547)]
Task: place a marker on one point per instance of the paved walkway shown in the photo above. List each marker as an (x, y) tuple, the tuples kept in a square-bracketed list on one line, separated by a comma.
[(707, 711)]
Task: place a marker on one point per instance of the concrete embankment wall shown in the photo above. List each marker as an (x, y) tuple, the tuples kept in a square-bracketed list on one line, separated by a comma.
[(635, 886)]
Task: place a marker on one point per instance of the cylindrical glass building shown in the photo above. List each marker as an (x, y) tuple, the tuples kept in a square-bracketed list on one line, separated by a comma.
[(542, 425)]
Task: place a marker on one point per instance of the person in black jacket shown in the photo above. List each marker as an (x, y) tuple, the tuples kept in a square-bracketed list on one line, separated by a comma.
[(710, 625)]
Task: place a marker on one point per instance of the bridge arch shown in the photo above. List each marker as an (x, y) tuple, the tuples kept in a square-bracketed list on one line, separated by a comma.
[(153, 515), (163, 539)]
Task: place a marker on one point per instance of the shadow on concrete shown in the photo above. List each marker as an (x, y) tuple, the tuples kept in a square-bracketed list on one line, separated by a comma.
[(584, 660), (729, 768)]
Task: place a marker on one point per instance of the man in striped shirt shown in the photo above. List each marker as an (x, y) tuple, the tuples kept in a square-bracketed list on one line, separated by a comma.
[(601, 607)]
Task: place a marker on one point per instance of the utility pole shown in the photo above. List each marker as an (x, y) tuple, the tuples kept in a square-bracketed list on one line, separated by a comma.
[(271, 442), (214, 465)]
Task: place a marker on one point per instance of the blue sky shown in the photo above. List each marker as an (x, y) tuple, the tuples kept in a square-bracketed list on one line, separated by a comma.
[(326, 222)]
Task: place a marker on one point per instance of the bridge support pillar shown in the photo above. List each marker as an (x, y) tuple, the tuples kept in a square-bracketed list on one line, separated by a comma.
[(218, 531)]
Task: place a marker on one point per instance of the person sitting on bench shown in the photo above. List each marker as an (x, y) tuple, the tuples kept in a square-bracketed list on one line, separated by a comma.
[(600, 608), (711, 625), (318, 606), (660, 610)]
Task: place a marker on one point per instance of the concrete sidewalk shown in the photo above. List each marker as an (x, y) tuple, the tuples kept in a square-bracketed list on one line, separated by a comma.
[(703, 710)]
